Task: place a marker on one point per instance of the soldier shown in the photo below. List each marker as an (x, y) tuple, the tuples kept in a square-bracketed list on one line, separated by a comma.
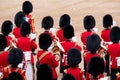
[(92, 44), (27, 8), (44, 72), (18, 20), (73, 60), (6, 29), (68, 33), (44, 56), (96, 67), (89, 23), (105, 35), (25, 43), (15, 57), (114, 51), (107, 24), (64, 20), (3, 54)]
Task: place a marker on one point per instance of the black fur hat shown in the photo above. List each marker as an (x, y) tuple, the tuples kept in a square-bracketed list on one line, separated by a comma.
[(93, 43), (25, 29), (3, 42), (73, 57), (15, 75), (89, 22), (68, 77), (115, 34), (7, 27), (44, 72), (64, 20), (27, 7), (96, 66), (47, 22), (107, 21), (19, 18), (45, 41), (68, 31), (15, 57)]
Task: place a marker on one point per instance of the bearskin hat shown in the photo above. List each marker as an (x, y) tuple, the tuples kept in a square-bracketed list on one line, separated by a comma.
[(7, 27), (15, 75), (89, 22), (44, 72), (15, 57), (107, 21), (27, 7), (47, 22), (73, 57), (68, 31), (19, 18), (25, 28), (45, 41), (68, 77), (3, 42), (93, 43), (64, 20), (96, 66), (115, 34)]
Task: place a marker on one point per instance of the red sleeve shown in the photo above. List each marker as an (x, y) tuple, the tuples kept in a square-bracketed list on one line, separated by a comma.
[(33, 44), (54, 62), (79, 47)]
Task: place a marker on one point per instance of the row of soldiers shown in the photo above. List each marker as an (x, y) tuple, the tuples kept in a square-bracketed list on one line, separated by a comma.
[(58, 45)]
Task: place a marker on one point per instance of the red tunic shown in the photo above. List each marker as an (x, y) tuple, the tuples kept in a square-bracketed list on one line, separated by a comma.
[(16, 32), (59, 34), (114, 51), (105, 34), (9, 39), (30, 19), (8, 69), (88, 56), (50, 60), (84, 36), (25, 44), (76, 72), (50, 33), (67, 45), (3, 59), (89, 76)]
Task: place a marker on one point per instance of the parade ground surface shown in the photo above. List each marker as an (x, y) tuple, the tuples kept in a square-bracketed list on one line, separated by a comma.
[(77, 9)]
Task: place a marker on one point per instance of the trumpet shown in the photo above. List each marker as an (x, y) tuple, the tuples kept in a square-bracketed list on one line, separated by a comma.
[(102, 50), (11, 46), (56, 49)]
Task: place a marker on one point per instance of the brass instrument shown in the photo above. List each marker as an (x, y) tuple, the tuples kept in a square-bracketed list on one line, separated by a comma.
[(57, 48), (11, 46), (102, 51)]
